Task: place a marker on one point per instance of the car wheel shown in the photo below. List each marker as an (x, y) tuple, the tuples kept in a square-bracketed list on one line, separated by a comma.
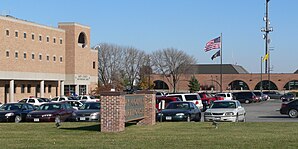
[(246, 101), (198, 118), (18, 119), (188, 118), (293, 113), (244, 119)]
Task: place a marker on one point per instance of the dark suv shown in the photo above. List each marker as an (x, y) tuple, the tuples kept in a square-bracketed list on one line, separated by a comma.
[(273, 94), (245, 97)]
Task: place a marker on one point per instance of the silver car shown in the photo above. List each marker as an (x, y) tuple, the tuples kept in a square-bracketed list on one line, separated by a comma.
[(225, 111)]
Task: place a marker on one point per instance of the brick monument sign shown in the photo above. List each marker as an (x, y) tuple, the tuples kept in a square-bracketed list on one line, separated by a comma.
[(117, 108)]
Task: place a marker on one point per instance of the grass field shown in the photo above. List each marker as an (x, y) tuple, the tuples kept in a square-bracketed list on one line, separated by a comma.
[(162, 135)]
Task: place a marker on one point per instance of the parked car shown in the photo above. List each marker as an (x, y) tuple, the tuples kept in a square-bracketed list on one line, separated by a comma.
[(89, 111), (51, 112), (34, 101), (207, 99), (76, 104), (162, 102), (261, 96), (287, 97), (290, 108), (59, 98), (15, 112), (226, 96), (273, 94), (180, 111), (226, 111), (88, 98), (245, 97), (190, 97)]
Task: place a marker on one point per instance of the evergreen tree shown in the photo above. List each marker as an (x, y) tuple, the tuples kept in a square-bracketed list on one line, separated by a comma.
[(193, 84)]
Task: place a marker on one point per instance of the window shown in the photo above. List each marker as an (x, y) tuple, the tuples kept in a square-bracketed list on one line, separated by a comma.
[(60, 41), (48, 58), (40, 57), (32, 36), (40, 38), (25, 35), (32, 56), (25, 55), (23, 88), (16, 54), (7, 32), (54, 58), (17, 34), (54, 40), (7, 53), (48, 39), (93, 65), (15, 88), (45, 89), (29, 88), (61, 59), (50, 89)]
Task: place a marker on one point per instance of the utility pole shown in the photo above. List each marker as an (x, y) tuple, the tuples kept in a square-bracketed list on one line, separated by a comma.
[(267, 30)]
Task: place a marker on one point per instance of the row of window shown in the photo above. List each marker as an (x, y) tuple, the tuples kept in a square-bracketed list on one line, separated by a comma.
[(32, 36), (40, 57), (23, 86)]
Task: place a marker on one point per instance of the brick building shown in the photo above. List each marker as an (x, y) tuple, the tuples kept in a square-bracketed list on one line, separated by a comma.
[(43, 61), (235, 77)]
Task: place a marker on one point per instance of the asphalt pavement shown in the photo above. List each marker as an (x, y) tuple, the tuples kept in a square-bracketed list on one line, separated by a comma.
[(266, 111)]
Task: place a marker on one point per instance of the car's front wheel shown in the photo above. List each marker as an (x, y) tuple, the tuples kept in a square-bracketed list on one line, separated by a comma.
[(293, 113), (246, 101), (17, 119)]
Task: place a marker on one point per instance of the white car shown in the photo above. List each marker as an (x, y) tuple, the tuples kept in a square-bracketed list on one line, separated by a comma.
[(59, 98), (225, 111), (226, 96), (190, 97), (34, 101), (88, 98)]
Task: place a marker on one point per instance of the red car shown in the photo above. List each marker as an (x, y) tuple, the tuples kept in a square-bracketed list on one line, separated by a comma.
[(51, 112), (162, 102), (208, 98)]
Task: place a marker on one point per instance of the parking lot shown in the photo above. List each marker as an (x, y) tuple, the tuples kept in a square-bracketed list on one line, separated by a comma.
[(266, 112)]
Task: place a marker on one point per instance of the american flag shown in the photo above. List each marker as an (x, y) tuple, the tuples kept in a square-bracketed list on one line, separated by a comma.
[(212, 44)]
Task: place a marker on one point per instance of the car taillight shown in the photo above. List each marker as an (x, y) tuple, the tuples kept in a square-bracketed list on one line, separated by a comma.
[(283, 105), (254, 97), (197, 102)]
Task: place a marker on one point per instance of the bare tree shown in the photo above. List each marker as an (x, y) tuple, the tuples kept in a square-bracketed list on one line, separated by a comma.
[(133, 61), (171, 62), (109, 64)]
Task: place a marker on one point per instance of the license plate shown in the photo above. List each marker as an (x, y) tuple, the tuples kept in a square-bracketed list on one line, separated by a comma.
[(217, 118), (82, 118), (168, 118), (36, 119)]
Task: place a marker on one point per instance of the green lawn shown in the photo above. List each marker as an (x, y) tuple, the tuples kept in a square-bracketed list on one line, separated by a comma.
[(162, 135)]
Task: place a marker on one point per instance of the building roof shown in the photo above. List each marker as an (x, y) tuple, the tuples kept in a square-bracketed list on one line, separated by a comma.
[(215, 69), (17, 20), (296, 71)]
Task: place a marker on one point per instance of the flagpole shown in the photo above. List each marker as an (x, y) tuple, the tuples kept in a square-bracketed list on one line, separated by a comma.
[(261, 87), (220, 62)]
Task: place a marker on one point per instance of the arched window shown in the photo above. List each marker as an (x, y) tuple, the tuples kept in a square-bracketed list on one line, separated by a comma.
[(238, 85), (291, 85), (266, 85), (82, 41), (160, 85)]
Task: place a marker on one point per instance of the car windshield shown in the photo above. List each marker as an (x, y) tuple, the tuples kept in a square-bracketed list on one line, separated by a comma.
[(217, 105), (40, 100), (90, 105), (179, 105), (92, 97), (50, 107), (11, 107)]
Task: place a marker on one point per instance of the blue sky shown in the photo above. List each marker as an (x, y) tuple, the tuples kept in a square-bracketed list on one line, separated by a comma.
[(187, 25)]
